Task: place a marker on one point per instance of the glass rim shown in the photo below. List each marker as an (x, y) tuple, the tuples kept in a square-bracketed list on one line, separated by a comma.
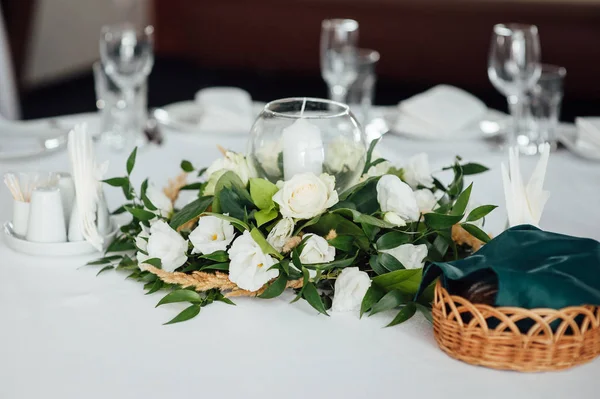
[(338, 22), (342, 110), (509, 28), (123, 26)]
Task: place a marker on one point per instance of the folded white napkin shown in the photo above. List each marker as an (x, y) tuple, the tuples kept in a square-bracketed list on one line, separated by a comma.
[(588, 129), (442, 111), (225, 109), (525, 204)]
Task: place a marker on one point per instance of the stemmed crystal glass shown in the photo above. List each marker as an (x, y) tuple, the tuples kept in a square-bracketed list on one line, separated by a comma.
[(339, 64), (127, 58), (514, 68)]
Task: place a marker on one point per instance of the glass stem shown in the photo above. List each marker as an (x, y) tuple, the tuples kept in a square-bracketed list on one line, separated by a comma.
[(338, 93), (515, 107)]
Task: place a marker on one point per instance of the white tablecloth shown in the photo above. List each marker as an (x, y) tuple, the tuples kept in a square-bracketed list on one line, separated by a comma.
[(65, 333)]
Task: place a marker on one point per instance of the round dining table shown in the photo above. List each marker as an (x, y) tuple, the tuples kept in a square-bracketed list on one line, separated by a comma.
[(66, 333)]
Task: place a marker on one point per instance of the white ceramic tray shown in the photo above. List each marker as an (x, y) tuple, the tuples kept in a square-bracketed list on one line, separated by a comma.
[(53, 249)]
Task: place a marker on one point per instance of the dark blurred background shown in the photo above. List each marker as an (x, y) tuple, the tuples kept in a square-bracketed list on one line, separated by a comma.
[(270, 47)]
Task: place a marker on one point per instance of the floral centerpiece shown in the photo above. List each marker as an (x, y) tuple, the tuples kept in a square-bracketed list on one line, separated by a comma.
[(358, 250)]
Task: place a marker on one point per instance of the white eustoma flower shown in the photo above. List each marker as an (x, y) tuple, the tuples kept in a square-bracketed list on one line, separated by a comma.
[(426, 200), (141, 242), (396, 196), (411, 256), (268, 156), (349, 290), (343, 154), (306, 195), (234, 162), (417, 171), (167, 245), (212, 234), (394, 218), (282, 231), (316, 250), (160, 200), (249, 266)]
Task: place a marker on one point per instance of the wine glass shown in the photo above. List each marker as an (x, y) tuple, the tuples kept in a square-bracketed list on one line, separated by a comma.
[(514, 68), (339, 66), (127, 58)]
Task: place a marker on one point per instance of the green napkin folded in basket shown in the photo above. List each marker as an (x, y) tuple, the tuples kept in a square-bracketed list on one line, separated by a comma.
[(532, 269)]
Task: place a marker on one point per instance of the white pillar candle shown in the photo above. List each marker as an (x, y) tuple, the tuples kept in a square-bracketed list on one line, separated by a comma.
[(303, 149)]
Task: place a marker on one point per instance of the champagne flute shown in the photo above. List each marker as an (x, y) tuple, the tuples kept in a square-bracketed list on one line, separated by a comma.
[(127, 57), (514, 68), (339, 66)]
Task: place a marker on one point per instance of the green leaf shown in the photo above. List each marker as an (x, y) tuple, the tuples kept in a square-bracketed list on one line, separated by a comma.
[(217, 256), (370, 155), (377, 268), (263, 244), (437, 221), (406, 313), (105, 268), (473, 168), (425, 311), (180, 296), (343, 243), (461, 202), (117, 181), (234, 201), (241, 226), (389, 301), (262, 191), (121, 244), (372, 296), (193, 186), (131, 161), (363, 196), (336, 264), (229, 180), (308, 223), (216, 266), (224, 299), (358, 217), (342, 226), (190, 211), (476, 232), (154, 262), (264, 216), (406, 281), (276, 288), (105, 260), (157, 285), (479, 212), (389, 262), (392, 240), (186, 314), (187, 166), (119, 211), (312, 296), (128, 191), (140, 214)]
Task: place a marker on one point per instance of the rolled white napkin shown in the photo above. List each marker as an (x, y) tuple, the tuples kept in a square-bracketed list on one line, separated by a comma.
[(225, 110), (440, 111), (588, 129), (525, 204)]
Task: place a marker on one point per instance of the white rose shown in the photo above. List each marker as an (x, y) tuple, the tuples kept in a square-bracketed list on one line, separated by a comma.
[(160, 200), (141, 242), (417, 171), (212, 234), (470, 206), (426, 201), (343, 154), (411, 256), (306, 195), (396, 196), (167, 245), (316, 250), (282, 231), (268, 156), (249, 266), (231, 161), (349, 290)]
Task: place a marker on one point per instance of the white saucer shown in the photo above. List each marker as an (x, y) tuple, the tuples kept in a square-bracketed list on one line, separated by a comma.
[(185, 116), (567, 135), (52, 249)]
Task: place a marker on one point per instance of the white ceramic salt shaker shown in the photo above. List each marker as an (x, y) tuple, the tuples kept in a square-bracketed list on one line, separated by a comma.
[(46, 219), (20, 217)]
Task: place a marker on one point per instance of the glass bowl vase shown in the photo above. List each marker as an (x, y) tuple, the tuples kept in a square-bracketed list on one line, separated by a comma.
[(299, 135)]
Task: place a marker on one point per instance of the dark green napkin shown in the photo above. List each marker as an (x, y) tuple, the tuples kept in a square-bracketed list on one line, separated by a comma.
[(533, 269)]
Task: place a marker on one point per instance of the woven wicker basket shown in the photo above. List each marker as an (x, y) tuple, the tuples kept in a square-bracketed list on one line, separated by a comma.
[(461, 330)]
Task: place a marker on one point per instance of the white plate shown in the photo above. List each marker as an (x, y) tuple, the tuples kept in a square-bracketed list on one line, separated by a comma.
[(493, 123), (52, 249), (20, 140), (185, 116), (567, 134)]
